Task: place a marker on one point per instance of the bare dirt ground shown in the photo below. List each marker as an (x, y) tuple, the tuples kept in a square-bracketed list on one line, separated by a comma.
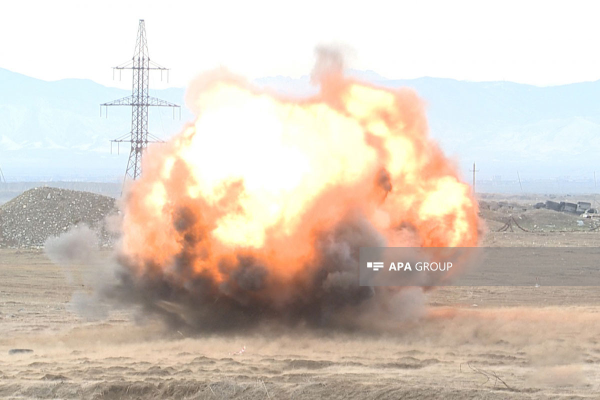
[(472, 342)]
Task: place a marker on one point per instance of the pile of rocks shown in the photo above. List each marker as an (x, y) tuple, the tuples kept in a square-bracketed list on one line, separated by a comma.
[(37, 214)]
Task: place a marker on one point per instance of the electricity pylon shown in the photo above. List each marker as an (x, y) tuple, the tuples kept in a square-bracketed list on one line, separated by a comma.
[(474, 171), (139, 101)]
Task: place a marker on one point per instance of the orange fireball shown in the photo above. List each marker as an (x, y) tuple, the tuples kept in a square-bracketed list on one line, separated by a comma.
[(262, 176)]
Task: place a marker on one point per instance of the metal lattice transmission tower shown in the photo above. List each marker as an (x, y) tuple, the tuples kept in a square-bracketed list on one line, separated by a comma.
[(140, 100)]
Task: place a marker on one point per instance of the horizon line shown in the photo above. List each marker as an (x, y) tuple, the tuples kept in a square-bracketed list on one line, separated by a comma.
[(380, 79)]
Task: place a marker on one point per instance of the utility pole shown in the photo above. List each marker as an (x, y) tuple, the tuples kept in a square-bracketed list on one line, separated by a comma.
[(139, 101), (474, 171), (519, 176), (2, 178)]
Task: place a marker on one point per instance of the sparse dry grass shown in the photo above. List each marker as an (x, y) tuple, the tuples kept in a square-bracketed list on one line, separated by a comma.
[(517, 342)]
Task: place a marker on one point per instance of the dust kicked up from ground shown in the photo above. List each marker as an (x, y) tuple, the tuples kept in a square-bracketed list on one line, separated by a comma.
[(472, 342)]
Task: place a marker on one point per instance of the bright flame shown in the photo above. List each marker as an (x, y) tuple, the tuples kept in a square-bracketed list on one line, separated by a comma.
[(262, 175)]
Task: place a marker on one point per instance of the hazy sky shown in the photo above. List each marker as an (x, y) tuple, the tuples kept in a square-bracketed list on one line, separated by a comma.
[(536, 42)]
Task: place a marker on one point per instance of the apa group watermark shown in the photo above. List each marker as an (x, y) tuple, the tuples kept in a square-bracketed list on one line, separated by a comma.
[(407, 266), (419, 266), (479, 266)]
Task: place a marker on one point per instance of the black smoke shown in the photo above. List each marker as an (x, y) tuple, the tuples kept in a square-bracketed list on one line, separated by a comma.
[(326, 294)]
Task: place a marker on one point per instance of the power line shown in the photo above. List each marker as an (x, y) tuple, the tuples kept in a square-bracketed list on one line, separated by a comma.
[(474, 171), (139, 101)]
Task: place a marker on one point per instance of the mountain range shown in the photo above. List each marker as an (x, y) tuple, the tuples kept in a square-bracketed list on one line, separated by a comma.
[(54, 130)]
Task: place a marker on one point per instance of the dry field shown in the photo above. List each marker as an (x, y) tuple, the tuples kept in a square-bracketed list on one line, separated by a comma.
[(471, 342)]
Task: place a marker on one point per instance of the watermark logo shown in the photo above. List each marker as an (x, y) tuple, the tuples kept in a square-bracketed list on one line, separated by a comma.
[(473, 266), (418, 266), (375, 266)]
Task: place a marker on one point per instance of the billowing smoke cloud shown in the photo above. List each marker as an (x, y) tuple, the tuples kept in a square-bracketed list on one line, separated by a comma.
[(330, 61), (74, 247), (327, 297), (256, 212), (76, 251)]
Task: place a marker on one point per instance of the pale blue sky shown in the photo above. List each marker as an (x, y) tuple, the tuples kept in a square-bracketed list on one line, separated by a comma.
[(536, 42)]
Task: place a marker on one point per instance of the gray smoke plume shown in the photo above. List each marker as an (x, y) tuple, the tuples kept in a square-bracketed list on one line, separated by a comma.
[(73, 247), (76, 251), (326, 296), (331, 61)]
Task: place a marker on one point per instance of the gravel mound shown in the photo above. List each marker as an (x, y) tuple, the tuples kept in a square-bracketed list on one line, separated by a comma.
[(37, 214)]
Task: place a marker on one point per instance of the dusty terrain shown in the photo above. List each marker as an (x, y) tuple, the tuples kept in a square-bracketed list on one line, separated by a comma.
[(471, 342)]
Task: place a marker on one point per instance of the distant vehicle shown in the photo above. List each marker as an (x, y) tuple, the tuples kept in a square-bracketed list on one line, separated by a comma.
[(590, 213)]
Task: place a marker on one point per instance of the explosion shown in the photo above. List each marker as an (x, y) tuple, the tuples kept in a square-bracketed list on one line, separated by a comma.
[(257, 210)]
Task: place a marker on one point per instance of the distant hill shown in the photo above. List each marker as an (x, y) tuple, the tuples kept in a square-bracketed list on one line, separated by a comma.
[(53, 130)]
